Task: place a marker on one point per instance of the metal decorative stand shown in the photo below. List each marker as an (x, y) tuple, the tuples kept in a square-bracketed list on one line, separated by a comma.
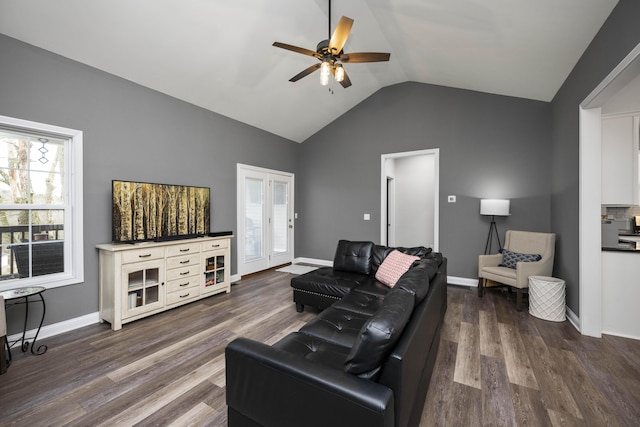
[(492, 228), (22, 296)]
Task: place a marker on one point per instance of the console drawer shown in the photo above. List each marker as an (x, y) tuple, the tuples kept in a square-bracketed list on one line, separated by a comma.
[(214, 245), (138, 255), (182, 284), (182, 272), (183, 261), (184, 249), (183, 295)]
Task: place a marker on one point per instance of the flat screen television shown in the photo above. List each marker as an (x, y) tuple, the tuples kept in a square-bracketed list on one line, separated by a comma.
[(144, 211)]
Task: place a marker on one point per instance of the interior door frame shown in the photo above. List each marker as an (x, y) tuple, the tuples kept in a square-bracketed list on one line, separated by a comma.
[(240, 215), (435, 152), (390, 238), (589, 320)]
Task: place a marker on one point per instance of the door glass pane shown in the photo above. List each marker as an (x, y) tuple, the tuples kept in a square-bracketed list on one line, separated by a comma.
[(151, 295), (254, 208), (280, 217), (153, 276), (136, 279)]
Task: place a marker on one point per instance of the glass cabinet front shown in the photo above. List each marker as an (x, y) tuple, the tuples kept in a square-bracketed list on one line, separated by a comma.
[(144, 283), (214, 269)]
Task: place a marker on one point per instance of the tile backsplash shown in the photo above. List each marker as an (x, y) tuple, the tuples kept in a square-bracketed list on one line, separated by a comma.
[(618, 212)]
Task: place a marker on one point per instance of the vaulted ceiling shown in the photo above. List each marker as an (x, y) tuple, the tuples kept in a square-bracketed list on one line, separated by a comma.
[(219, 54)]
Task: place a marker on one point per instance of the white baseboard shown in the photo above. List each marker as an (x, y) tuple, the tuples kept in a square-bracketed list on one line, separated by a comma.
[(322, 262), (573, 319), (617, 334), (462, 281), (60, 327)]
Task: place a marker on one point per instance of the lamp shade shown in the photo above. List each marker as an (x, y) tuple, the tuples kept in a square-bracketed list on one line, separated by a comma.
[(498, 207)]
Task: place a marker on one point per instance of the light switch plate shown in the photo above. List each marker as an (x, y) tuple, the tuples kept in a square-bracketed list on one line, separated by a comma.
[(451, 199), (367, 217)]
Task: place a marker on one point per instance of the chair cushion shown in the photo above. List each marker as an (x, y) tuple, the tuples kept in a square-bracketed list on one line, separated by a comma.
[(510, 259), (354, 257), (394, 266), (379, 335)]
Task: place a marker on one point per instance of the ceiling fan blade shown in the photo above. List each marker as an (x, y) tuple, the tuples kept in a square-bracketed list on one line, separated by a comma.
[(296, 49), (304, 73), (346, 82), (353, 58), (340, 35)]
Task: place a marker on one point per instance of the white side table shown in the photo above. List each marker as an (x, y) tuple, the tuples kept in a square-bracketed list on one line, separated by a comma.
[(547, 298)]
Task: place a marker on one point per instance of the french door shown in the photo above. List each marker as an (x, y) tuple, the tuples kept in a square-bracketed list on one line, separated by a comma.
[(265, 218)]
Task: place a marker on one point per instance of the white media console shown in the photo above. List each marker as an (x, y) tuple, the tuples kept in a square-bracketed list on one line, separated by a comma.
[(139, 280)]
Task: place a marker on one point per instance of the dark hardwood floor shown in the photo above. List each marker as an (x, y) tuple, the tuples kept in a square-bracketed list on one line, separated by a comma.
[(495, 366)]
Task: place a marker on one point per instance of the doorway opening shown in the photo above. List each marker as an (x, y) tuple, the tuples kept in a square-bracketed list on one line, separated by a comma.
[(409, 191)]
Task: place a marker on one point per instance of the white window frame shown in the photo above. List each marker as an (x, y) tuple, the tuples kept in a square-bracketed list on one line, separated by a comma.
[(73, 233)]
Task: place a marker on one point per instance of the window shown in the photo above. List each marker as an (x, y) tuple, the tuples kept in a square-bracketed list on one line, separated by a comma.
[(40, 205)]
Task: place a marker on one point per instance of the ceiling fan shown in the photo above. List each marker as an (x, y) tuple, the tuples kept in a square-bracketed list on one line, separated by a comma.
[(331, 56)]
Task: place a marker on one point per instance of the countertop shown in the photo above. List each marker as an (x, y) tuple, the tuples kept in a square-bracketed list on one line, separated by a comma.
[(627, 245), (630, 234), (624, 247)]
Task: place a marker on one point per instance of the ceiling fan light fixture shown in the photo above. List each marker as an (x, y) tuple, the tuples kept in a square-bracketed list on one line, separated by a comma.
[(331, 55), (339, 73), (325, 73)]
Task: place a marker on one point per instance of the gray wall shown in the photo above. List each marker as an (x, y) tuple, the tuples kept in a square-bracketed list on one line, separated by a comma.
[(490, 146), (617, 37), (132, 133)]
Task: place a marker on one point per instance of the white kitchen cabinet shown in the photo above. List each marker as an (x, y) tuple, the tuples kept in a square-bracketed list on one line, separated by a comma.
[(620, 293), (620, 146)]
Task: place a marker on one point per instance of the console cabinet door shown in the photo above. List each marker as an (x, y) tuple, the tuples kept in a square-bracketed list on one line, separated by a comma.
[(144, 287), (216, 271)]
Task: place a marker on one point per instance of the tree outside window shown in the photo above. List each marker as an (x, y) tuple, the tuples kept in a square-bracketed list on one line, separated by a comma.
[(33, 203)]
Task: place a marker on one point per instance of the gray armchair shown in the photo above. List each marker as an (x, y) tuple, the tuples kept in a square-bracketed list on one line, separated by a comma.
[(522, 242)]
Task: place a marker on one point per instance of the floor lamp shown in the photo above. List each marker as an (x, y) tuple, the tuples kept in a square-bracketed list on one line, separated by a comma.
[(493, 208)]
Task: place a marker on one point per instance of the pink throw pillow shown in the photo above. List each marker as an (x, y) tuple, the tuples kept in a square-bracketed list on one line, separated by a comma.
[(394, 266)]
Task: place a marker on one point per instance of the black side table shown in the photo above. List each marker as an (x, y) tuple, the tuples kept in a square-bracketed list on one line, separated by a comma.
[(26, 296)]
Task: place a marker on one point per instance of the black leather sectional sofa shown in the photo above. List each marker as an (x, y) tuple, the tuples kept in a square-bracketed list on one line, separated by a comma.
[(365, 360)]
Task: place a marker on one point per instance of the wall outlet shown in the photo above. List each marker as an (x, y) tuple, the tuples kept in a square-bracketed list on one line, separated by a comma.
[(367, 217), (451, 199)]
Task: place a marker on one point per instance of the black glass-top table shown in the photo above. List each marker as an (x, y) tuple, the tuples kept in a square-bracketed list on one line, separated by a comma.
[(26, 296)]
